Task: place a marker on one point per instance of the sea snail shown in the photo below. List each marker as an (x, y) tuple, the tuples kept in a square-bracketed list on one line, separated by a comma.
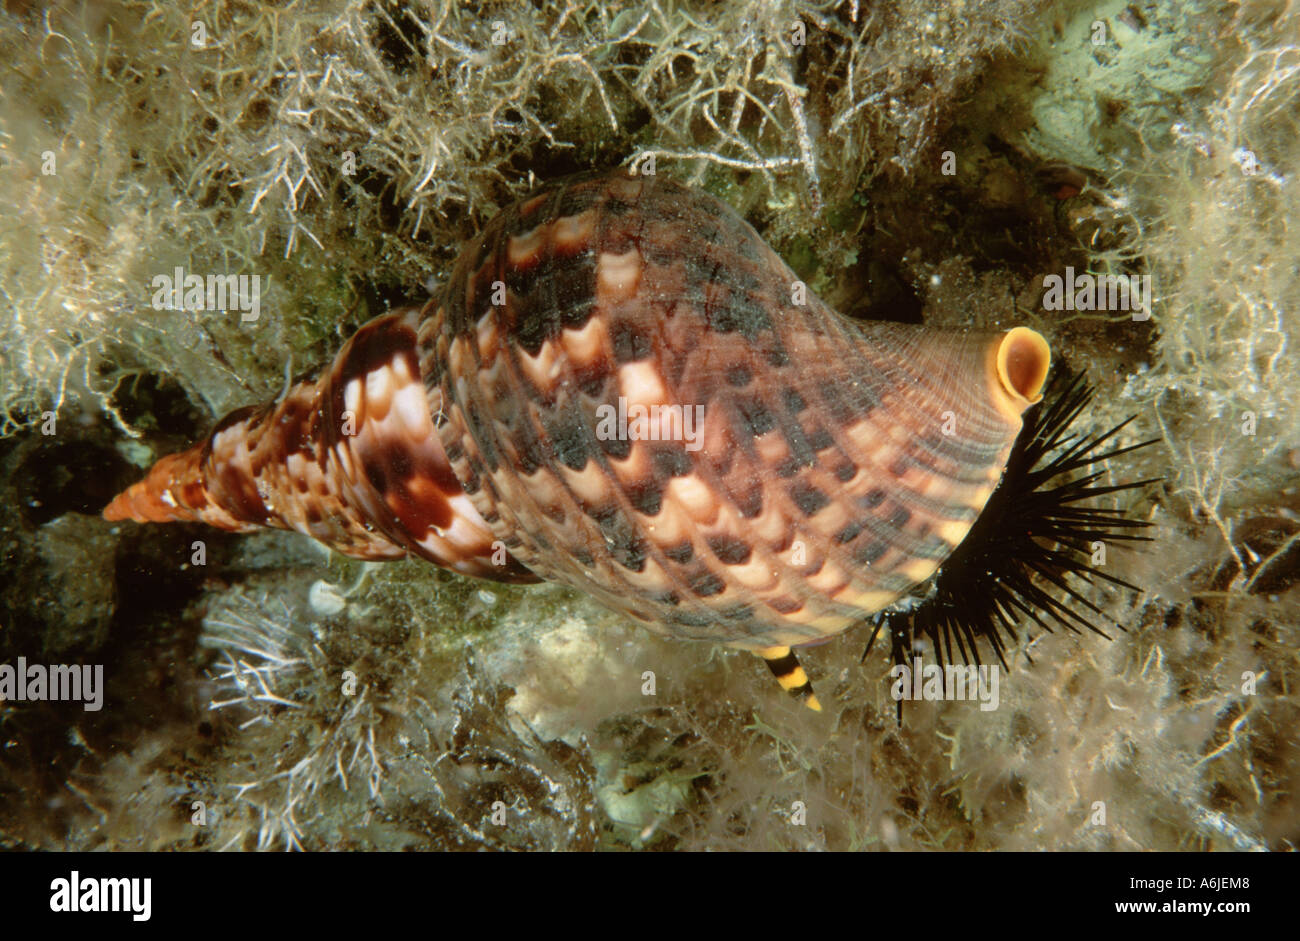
[(624, 389)]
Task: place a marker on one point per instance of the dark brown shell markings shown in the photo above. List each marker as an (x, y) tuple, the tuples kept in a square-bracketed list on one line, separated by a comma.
[(624, 389)]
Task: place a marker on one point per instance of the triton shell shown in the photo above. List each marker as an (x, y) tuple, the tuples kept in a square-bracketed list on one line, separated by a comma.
[(623, 388)]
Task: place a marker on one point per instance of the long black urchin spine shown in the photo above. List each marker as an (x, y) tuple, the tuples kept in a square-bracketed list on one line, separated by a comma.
[(1039, 529)]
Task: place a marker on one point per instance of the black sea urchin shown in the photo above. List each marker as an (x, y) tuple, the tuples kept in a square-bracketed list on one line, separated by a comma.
[(1040, 527)]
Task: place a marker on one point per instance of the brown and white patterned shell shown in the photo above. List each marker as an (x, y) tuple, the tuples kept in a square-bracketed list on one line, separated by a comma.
[(836, 464)]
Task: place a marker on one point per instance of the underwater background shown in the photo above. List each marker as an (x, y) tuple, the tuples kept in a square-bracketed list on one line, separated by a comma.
[(931, 162)]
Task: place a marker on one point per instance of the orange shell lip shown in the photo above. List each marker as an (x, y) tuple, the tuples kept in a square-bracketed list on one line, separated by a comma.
[(1023, 360)]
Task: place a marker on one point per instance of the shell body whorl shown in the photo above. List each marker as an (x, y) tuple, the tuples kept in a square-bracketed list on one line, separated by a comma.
[(834, 465)]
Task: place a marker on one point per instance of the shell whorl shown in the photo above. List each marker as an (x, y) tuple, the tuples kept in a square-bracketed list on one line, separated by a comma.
[(350, 459), (838, 463), (834, 466)]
